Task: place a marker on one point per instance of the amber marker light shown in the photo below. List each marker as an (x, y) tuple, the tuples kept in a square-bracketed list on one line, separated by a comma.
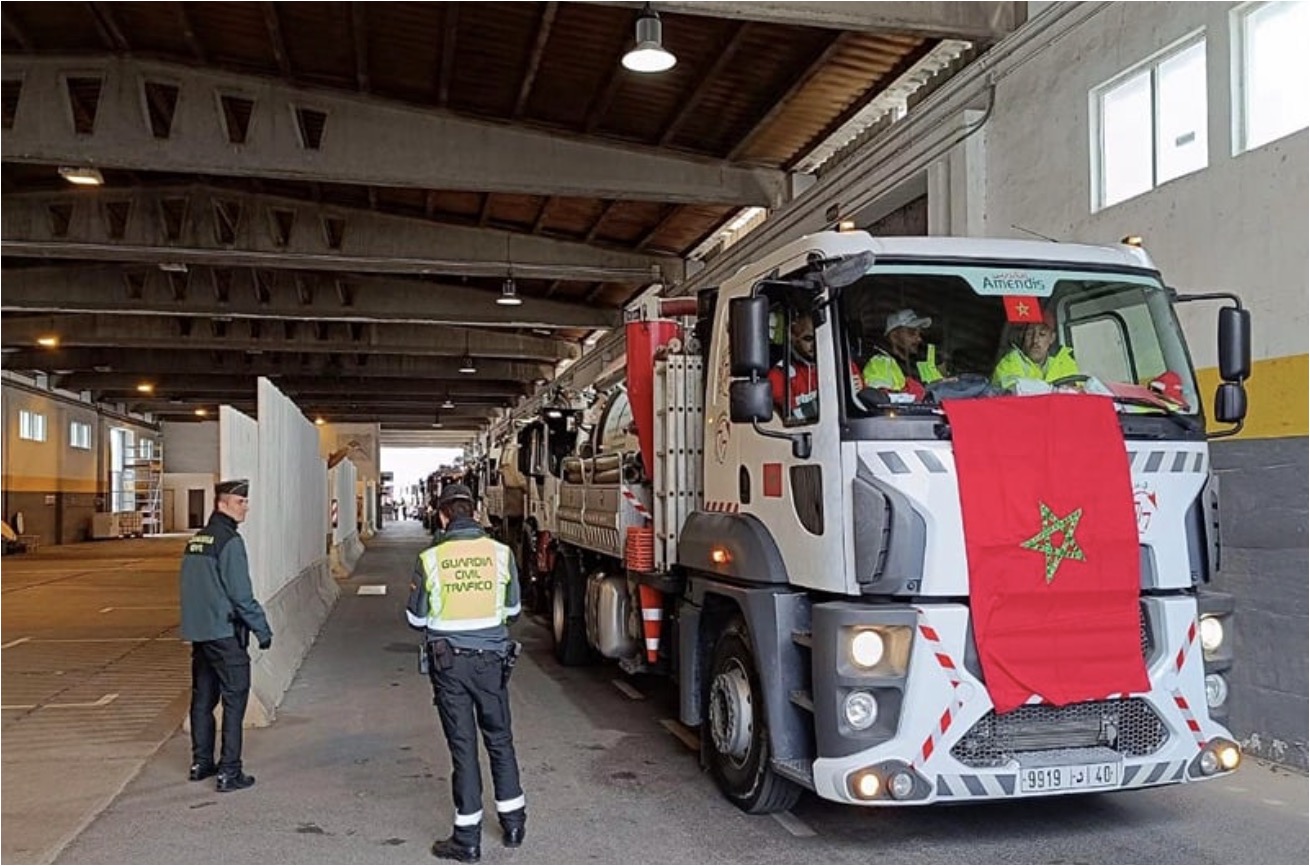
[(720, 556)]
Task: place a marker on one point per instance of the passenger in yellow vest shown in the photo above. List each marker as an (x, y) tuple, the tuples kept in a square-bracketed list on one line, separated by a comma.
[(1033, 358), (897, 367), (464, 590)]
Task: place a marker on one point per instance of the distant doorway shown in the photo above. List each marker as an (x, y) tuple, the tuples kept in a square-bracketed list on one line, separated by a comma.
[(195, 508)]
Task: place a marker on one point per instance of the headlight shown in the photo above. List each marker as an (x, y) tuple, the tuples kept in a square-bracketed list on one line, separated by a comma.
[(867, 648), (1212, 633), (860, 709), (1216, 690)]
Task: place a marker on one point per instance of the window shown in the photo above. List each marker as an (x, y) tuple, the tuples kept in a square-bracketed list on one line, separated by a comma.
[(31, 425), (1271, 88), (79, 435), (1151, 124)]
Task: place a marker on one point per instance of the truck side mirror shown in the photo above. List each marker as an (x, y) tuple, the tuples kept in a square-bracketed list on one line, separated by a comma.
[(1230, 403), (1234, 346), (750, 400), (748, 333)]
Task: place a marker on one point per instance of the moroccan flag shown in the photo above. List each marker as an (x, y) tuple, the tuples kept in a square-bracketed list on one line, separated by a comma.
[(1022, 308), (1051, 538)]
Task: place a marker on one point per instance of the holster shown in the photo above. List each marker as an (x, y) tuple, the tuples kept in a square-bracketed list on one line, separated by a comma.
[(241, 632), (443, 655), (508, 661)]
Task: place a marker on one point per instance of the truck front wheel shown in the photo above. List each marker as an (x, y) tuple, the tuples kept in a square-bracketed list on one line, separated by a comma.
[(738, 730), (568, 616)]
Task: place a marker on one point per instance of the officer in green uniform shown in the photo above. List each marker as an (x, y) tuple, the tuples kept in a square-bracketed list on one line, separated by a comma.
[(219, 612), (464, 590)]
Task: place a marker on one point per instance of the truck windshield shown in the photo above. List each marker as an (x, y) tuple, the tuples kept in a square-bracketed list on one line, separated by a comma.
[(923, 334)]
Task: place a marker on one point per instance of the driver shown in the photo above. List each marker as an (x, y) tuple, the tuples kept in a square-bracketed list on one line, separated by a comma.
[(1031, 357)]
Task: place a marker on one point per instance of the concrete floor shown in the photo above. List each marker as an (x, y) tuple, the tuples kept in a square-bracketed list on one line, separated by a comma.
[(354, 769)]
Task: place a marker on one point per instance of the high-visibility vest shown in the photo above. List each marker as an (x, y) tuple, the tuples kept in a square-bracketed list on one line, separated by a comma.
[(467, 582), (883, 371), (1016, 365)]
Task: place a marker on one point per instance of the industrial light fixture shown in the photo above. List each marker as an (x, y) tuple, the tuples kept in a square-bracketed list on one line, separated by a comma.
[(436, 422), (49, 342), (146, 388), (649, 54), (449, 404), (82, 176), (319, 422), (509, 294), (466, 364), (200, 413)]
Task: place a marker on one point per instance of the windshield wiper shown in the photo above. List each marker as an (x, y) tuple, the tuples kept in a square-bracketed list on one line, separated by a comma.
[(1183, 421)]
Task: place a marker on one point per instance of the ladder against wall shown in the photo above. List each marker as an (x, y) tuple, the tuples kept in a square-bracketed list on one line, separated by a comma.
[(146, 462)]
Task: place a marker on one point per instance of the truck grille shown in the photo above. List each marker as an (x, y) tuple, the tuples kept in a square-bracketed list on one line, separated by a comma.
[(1129, 726)]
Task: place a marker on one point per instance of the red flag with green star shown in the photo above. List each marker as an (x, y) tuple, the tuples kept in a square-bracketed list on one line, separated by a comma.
[(1051, 538)]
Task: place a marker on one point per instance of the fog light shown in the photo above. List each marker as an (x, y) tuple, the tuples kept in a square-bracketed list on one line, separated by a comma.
[(901, 785), (1212, 633), (1229, 756), (1209, 763), (867, 648), (867, 785), (1216, 690), (860, 709)]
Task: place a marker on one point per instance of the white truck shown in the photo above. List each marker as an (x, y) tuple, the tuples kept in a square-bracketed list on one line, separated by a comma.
[(815, 584)]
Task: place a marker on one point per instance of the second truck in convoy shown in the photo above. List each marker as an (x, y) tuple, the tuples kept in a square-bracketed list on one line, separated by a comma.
[(952, 593)]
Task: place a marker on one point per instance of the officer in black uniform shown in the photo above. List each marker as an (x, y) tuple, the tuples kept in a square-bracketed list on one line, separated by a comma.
[(219, 612), (464, 590)]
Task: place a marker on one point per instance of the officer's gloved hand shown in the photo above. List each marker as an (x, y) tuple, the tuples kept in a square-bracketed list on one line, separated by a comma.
[(265, 642)]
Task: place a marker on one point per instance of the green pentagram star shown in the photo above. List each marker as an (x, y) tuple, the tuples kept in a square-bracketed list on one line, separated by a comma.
[(1068, 547)]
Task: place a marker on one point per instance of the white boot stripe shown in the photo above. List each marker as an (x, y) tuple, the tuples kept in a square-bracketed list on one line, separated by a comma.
[(511, 805)]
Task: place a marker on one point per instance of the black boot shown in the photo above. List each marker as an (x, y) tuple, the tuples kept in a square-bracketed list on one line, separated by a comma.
[(233, 782), (454, 849), (513, 826), (200, 772)]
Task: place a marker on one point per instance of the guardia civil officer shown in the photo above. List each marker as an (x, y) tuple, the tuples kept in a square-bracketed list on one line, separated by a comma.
[(219, 612), (464, 590)]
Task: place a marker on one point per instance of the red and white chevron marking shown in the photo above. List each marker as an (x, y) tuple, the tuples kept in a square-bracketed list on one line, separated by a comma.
[(957, 701), (1192, 724), (636, 503), (1182, 653)]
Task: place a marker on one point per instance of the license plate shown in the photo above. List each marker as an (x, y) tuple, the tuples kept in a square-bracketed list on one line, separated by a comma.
[(1074, 777)]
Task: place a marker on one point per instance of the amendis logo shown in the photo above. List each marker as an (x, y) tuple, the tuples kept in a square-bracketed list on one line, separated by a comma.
[(1014, 283)]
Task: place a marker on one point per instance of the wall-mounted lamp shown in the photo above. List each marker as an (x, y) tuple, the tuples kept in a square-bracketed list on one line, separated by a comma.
[(649, 54)]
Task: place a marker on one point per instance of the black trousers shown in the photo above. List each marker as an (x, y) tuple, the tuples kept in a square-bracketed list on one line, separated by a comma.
[(472, 695), (220, 669)]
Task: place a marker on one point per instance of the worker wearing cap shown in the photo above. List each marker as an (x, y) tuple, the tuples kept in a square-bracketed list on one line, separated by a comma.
[(897, 367), (464, 590), (219, 612), (1032, 356)]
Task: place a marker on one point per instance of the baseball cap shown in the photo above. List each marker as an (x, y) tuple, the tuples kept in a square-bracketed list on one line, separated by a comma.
[(1169, 385), (906, 318), (452, 492)]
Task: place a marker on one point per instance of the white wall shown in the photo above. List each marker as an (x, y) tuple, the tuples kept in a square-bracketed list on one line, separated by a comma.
[(1239, 225)]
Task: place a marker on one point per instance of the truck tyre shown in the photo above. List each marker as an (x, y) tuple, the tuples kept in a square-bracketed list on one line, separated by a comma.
[(568, 617), (738, 731)]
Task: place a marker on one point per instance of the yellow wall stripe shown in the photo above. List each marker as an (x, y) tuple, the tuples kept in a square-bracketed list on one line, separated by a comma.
[(1278, 398), (39, 484)]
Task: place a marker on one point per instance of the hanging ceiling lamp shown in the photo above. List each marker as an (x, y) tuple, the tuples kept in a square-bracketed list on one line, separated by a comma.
[(649, 54), (509, 293)]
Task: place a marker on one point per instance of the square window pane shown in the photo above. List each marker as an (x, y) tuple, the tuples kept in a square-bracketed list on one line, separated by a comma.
[(1276, 84), (1126, 139), (1181, 140)]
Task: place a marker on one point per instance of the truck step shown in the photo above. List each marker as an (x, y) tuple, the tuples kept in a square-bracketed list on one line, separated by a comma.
[(802, 638), (802, 699), (798, 770)]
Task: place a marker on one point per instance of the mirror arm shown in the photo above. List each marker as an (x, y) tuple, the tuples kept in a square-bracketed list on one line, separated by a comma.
[(1208, 296), (801, 444), (1221, 434)]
